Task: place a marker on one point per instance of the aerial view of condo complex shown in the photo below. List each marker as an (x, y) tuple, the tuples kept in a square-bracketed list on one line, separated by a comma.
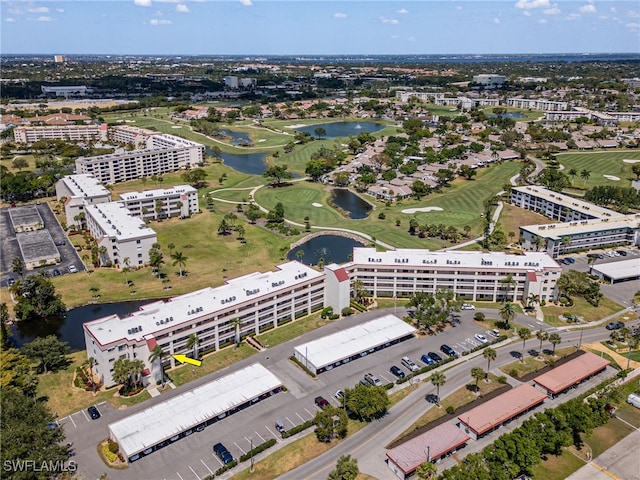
[(310, 239)]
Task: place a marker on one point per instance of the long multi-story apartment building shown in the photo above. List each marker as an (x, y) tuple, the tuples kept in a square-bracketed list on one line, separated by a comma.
[(536, 104), (31, 134), (181, 200), (217, 316), (475, 276), (79, 190), (127, 240)]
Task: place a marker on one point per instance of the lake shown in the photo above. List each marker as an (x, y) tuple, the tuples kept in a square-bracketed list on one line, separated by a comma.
[(351, 203), (237, 138), (331, 248), (342, 129)]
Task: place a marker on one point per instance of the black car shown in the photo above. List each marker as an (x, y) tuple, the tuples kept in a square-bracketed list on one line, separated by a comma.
[(435, 357), (11, 282), (321, 402), (223, 454), (622, 253), (614, 325), (397, 371), (93, 411), (447, 350), (56, 272)]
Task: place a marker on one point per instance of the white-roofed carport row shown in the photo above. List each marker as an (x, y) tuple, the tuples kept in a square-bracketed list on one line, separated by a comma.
[(342, 347), (614, 272), (168, 421)]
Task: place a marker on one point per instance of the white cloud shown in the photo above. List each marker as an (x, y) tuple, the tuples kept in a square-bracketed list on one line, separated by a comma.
[(554, 10), (458, 7), (542, 21), (182, 8), (142, 3), (246, 3), (158, 21), (339, 15), (9, 19), (573, 16), (402, 11), (526, 13), (529, 4), (60, 10), (39, 10), (634, 27), (496, 21), (390, 21), (588, 8), (44, 18)]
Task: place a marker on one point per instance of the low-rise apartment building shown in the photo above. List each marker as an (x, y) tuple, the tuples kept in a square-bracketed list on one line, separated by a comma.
[(84, 132), (76, 190), (123, 236), (536, 104), (181, 200), (217, 316)]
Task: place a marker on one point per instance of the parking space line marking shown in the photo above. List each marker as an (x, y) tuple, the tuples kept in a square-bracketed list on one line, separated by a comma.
[(293, 424), (74, 423), (102, 403), (311, 414), (274, 435), (260, 437), (179, 476), (243, 452), (216, 457), (207, 467), (299, 416), (85, 415), (194, 472)]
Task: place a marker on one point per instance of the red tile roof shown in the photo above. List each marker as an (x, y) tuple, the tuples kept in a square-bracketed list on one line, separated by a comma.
[(572, 372), (342, 275)]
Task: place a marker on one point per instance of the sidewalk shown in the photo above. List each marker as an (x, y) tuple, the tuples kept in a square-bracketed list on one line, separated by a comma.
[(620, 359)]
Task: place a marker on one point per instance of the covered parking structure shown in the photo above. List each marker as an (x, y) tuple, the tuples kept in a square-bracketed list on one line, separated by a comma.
[(571, 374), (491, 415), (147, 431), (25, 218), (431, 446), (334, 350), (615, 272), (38, 249)]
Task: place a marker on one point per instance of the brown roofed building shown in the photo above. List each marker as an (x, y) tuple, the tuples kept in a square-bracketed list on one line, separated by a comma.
[(494, 413), (435, 443), (571, 373)]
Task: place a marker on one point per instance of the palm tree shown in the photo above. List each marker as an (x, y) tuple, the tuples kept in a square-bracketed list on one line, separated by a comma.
[(180, 260), (506, 284), (103, 252), (507, 313), (91, 362), (438, 379), (525, 334), (156, 354), (490, 354), (542, 336), (236, 324), (94, 291), (125, 269), (171, 246), (136, 369), (240, 231), (584, 175), (427, 471), (192, 343), (572, 174), (477, 373), (555, 339)]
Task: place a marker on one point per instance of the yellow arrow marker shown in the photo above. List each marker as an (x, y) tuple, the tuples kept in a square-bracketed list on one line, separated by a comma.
[(182, 358)]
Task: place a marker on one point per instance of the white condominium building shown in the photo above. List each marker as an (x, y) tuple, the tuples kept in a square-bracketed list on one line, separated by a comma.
[(181, 200), (536, 104), (122, 235), (489, 79), (259, 301), (475, 276), (78, 189), (29, 135)]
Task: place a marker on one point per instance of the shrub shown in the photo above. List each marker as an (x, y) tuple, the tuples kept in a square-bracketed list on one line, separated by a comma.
[(228, 466), (298, 428), (111, 457), (381, 216), (502, 380), (334, 316), (113, 446), (478, 316), (260, 448), (450, 409), (346, 311)]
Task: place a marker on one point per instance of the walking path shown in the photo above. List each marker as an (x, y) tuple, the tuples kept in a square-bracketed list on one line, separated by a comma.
[(620, 359)]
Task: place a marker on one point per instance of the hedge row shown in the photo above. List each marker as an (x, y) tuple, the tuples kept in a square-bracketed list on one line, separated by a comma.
[(298, 428), (424, 370), (260, 448), (303, 367)]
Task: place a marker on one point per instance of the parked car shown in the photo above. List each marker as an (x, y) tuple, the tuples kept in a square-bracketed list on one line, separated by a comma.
[(407, 362), (467, 306), (622, 253), (321, 402), (634, 399), (61, 242), (435, 357), (280, 426), (447, 350), (93, 411), (373, 380), (56, 272), (397, 371), (614, 325), (494, 333), (569, 261), (11, 282), (223, 454), (426, 359), (72, 269), (339, 395), (481, 338)]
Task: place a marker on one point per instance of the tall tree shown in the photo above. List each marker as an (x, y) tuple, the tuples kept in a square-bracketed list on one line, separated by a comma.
[(427, 470), (555, 339), (236, 325), (477, 373), (438, 379), (508, 313), (192, 343), (49, 352), (180, 260), (346, 469), (585, 175), (490, 355), (541, 335), (277, 173), (17, 266), (525, 334), (156, 356)]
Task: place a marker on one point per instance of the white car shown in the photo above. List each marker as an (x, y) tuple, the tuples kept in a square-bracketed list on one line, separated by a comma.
[(481, 338), (494, 333), (339, 394), (467, 306)]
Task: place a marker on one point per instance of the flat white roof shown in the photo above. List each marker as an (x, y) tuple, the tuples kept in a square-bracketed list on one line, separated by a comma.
[(116, 221), (530, 261), (567, 201), (157, 193), (619, 270), (149, 427), (352, 341), (82, 185), (156, 317), (558, 230)]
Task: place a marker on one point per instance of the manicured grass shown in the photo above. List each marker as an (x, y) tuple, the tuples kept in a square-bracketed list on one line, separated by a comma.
[(557, 467), (607, 435), (291, 330), (580, 308), (512, 217), (518, 369), (598, 164), (210, 363)]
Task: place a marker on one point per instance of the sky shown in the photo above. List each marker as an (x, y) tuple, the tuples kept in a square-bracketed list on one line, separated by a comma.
[(318, 27)]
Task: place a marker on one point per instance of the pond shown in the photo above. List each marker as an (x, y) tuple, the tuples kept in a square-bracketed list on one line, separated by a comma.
[(329, 248), (251, 163), (237, 138), (507, 115), (69, 328), (342, 129), (350, 202)]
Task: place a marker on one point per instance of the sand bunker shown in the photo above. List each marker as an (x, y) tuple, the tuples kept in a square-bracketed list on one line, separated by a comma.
[(316, 204), (299, 125), (422, 209), (630, 160), (611, 177), (176, 126)]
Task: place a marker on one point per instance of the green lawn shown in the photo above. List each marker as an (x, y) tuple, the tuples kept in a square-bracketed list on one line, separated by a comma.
[(557, 467), (580, 308), (291, 330), (599, 164)]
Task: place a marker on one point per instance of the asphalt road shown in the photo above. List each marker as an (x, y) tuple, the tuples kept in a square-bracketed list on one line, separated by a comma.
[(192, 458)]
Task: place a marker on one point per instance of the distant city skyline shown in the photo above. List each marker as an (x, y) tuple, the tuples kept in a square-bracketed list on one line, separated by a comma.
[(328, 27)]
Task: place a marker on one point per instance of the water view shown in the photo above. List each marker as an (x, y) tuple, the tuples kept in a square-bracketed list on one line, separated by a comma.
[(251, 163), (237, 138), (329, 248), (351, 203), (342, 129)]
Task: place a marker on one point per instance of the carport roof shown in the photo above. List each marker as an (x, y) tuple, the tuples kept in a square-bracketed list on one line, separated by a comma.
[(572, 372), (149, 427), (619, 270), (352, 341)]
